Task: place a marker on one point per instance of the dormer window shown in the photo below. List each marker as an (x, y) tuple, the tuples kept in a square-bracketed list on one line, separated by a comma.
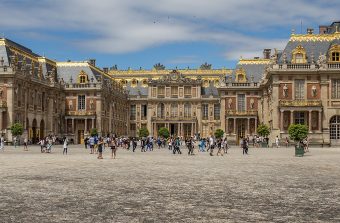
[(336, 56), (299, 55), (241, 75), (82, 77), (334, 53)]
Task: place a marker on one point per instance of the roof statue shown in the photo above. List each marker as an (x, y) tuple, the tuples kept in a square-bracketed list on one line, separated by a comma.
[(159, 66), (205, 66)]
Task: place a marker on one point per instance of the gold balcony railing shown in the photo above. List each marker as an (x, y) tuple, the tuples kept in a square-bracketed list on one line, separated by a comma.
[(3, 104), (241, 113), (191, 118), (80, 113), (300, 103)]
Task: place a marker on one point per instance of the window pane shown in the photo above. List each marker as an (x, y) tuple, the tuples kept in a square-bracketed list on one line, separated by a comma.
[(81, 102)]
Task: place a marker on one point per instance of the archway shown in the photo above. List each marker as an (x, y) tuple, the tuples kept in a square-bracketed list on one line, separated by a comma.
[(334, 127), (34, 131), (42, 129)]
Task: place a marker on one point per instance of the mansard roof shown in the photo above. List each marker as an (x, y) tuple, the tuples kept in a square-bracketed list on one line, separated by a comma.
[(253, 69)]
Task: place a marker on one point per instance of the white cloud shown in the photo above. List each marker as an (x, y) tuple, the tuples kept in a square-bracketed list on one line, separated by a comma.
[(117, 26)]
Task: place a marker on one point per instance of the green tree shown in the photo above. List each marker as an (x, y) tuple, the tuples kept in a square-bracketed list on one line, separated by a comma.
[(219, 133), (297, 132), (164, 132), (263, 130), (94, 132), (17, 129), (143, 132)]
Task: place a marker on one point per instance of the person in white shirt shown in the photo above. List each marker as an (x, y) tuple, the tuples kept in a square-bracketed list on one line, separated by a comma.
[(65, 146), (277, 141)]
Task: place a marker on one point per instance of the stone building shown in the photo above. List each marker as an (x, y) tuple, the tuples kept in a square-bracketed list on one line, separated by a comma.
[(30, 92), (185, 101), (300, 84), (57, 98)]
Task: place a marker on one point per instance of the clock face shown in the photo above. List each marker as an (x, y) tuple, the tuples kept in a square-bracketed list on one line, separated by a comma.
[(174, 76)]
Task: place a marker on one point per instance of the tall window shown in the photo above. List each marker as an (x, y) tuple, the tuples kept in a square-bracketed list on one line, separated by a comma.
[(299, 89), (187, 91), (299, 58), (205, 111), (174, 109), (216, 111), (160, 110), (241, 102), (144, 111), (161, 92), (174, 91), (81, 102), (187, 110), (299, 118), (336, 88), (336, 56), (133, 112)]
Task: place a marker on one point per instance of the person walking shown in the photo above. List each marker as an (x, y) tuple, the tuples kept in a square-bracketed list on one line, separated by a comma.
[(219, 146), (177, 144), (212, 145), (244, 146), (65, 145), (25, 144), (91, 141), (142, 145), (134, 144), (287, 142), (2, 143), (42, 145), (100, 148), (277, 141), (189, 142), (113, 146), (225, 145)]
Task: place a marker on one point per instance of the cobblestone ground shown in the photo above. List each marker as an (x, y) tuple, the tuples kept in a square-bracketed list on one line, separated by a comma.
[(268, 185)]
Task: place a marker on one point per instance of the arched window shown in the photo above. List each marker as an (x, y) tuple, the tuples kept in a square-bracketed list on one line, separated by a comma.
[(82, 77), (334, 53), (187, 110), (299, 58), (160, 110), (299, 55), (174, 110)]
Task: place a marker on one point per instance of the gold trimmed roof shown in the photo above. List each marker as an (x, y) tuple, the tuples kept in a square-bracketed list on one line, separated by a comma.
[(253, 61), (189, 72), (314, 37)]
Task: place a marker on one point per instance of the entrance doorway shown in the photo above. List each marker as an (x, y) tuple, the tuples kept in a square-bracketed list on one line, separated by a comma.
[(187, 130), (81, 136), (241, 129), (173, 129), (335, 130)]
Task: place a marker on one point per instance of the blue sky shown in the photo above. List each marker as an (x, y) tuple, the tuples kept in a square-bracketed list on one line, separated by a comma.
[(176, 33)]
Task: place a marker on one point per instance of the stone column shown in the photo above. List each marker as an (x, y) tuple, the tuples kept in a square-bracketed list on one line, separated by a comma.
[(248, 127), (281, 120), (310, 121), (85, 129), (255, 128), (234, 126), (291, 117), (320, 121), (222, 113), (72, 131), (66, 127), (192, 129), (1, 117), (92, 123), (226, 126)]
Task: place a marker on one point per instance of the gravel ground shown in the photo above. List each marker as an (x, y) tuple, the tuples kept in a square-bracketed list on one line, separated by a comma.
[(268, 185)]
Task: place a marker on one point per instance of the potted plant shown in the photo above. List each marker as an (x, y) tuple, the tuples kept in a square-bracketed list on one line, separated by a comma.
[(219, 133), (264, 131), (17, 129), (298, 132), (143, 132), (94, 132), (164, 132)]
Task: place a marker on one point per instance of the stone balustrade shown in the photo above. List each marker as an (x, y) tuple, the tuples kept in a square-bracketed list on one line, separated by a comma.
[(298, 103)]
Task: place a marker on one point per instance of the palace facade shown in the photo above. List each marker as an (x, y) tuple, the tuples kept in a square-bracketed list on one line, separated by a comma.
[(299, 84)]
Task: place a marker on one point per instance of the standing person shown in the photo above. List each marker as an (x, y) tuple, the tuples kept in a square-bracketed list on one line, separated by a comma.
[(49, 144), (15, 141), (287, 142), (177, 144), (2, 143), (96, 144), (113, 146), (25, 144), (189, 142), (142, 145), (159, 142), (225, 145), (219, 146), (86, 141), (277, 141), (170, 143), (212, 145), (134, 144), (201, 145), (91, 141), (42, 145), (100, 148), (65, 145), (245, 146)]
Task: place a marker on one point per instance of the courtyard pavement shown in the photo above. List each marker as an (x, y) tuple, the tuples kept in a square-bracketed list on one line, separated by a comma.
[(268, 185)]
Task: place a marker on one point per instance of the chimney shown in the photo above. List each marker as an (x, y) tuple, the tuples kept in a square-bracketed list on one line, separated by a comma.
[(310, 30), (106, 69), (323, 29), (92, 62), (266, 53)]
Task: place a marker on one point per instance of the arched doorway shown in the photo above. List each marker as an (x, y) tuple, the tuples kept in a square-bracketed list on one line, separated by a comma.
[(34, 131), (334, 126), (42, 129)]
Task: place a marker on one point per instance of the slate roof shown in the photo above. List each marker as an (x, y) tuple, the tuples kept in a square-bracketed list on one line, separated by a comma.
[(254, 72), (139, 89), (68, 70)]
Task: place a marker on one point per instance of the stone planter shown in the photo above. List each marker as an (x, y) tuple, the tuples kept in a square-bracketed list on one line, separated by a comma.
[(264, 145), (299, 151)]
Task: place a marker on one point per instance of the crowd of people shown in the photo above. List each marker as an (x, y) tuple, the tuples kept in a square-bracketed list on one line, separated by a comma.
[(97, 144)]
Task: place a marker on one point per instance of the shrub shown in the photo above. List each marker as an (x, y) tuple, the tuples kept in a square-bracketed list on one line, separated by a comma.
[(263, 130), (143, 132), (164, 132), (219, 133), (297, 132), (17, 129), (94, 132)]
